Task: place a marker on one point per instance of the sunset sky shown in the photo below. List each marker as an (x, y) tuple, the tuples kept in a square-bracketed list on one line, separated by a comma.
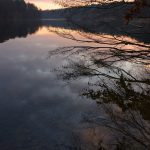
[(49, 4), (44, 4)]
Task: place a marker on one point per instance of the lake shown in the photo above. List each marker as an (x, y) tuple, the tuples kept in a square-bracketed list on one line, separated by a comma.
[(41, 110)]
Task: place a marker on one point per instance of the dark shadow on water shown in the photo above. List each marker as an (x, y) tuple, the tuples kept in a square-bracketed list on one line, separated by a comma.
[(103, 19), (72, 18), (13, 29)]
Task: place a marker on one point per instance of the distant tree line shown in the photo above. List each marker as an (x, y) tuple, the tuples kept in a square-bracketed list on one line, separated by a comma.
[(18, 10)]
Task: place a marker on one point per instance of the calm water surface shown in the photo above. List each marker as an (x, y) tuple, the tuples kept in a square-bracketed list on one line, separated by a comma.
[(38, 110)]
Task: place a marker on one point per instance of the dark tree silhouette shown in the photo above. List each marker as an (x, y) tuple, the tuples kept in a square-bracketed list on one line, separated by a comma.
[(17, 10)]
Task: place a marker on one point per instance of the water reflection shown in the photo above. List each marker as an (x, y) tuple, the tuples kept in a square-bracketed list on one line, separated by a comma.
[(23, 28), (116, 70), (37, 111), (17, 29), (40, 111)]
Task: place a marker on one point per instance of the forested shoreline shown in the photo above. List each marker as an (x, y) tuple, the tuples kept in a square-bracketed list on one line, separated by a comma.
[(16, 10)]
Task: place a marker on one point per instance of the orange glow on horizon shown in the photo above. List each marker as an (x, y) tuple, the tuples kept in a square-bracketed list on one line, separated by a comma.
[(44, 4)]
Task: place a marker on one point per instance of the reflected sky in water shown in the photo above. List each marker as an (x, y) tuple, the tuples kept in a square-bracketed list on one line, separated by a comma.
[(37, 111)]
